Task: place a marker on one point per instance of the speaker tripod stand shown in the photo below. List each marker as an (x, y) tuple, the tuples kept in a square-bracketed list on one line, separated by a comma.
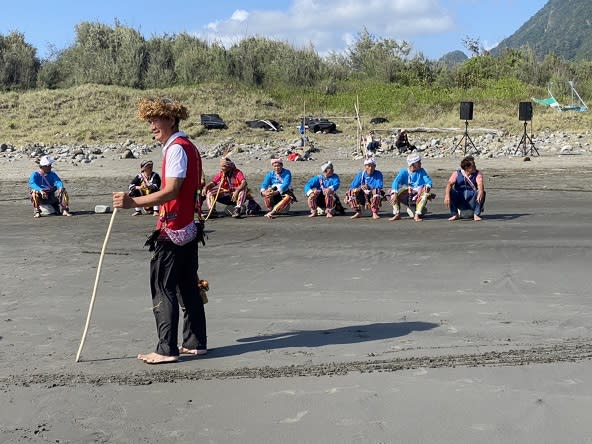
[(467, 140), (526, 144)]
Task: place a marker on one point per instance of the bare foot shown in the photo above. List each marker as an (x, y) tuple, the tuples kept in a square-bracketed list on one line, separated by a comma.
[(356, 215), (477, 218), (455, 217), (417, 218), (66, 213), (313, 214), (329, 215), (270, 215), (193, 351), (396, 217), (375, 216), (155, 358)]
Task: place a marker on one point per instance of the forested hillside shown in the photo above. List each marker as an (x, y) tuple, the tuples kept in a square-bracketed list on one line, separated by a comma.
[(561, 27), (86, 90)]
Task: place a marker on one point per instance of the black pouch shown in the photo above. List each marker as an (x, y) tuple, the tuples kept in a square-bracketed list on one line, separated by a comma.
[(151, 240), (201, 235)]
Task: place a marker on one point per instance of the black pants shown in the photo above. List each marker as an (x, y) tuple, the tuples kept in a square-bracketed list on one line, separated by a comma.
[(404, 147), (173, 283)]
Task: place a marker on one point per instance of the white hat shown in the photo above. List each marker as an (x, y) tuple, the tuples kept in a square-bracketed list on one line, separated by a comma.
[(326, 165), (46, 161), (370, 161), (413, 158)]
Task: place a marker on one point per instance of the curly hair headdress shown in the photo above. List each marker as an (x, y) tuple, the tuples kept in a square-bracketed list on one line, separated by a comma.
[(149, 108)]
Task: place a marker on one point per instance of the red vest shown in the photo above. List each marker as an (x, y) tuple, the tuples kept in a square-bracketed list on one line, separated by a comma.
[(179, 212)]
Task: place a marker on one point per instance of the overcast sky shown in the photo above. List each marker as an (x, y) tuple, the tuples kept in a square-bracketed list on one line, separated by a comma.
[(433, 27)]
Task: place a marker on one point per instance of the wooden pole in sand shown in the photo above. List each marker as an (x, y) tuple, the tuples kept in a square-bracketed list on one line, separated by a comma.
[(94, 293), (359, 129), (304, 126)]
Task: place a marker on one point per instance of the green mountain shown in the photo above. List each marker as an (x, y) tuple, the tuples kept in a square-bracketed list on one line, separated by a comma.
[(453, 58), (561, 27)]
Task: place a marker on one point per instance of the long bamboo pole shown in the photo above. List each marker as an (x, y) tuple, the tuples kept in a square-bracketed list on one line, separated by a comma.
[(304, 125), (94, 293)]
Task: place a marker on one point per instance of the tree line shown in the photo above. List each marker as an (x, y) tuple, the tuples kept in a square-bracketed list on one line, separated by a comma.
[(119, 55)]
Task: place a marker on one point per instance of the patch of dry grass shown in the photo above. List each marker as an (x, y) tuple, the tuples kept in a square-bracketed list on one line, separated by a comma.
[(96, 114)]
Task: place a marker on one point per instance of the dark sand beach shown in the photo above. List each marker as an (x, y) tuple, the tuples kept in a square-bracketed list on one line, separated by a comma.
[(320, 331)]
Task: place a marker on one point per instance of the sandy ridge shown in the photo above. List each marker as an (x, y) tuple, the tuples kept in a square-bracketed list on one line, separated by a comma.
[(566, 351)]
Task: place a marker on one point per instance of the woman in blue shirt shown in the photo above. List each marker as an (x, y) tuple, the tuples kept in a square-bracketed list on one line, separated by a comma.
[(412, 187), (366, 190), (321, 192)]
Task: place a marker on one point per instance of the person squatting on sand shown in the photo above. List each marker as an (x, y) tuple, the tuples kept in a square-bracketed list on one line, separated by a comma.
[(412, 187), (402, 143), (146, 182), (174, 264), (321, 192), (465, 190), (276, 189), (366, 190), (46, 188), (230, 187), (371, 145)]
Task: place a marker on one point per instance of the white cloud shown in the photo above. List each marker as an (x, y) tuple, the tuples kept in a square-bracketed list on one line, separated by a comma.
[(240, 15), (331, 25), (489, 46)]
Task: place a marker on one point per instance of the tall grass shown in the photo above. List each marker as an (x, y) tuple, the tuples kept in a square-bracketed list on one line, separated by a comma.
[(98, 114)]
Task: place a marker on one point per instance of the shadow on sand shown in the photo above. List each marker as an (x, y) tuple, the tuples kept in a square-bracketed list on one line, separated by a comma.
[(305, 339), (318, 338), (485, 216)]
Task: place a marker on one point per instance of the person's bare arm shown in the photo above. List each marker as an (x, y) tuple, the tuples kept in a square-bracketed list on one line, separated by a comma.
[(449, 185), (481, 188), (447, 194), (169, 192)]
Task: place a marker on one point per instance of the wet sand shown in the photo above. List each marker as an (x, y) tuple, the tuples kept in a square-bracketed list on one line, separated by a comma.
[(320, 330)]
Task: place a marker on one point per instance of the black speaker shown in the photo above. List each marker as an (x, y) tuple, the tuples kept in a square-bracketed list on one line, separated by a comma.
[(466, 110), (525, 111)]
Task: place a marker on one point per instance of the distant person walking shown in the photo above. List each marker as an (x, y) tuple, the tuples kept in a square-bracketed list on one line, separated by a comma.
[(173, 268)]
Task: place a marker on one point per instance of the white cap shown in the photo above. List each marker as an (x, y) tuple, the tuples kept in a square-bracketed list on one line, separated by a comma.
[(413, 158), (326, 165), (370, 161), (46, 161)]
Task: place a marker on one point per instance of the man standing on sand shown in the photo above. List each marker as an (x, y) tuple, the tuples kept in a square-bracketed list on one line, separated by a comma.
[(173, 268)]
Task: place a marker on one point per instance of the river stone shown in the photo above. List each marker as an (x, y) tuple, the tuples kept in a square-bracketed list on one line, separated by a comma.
[(102, 209)]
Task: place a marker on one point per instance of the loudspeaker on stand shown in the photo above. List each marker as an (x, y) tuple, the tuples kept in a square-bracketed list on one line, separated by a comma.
[(525, 111), (466, 110)]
